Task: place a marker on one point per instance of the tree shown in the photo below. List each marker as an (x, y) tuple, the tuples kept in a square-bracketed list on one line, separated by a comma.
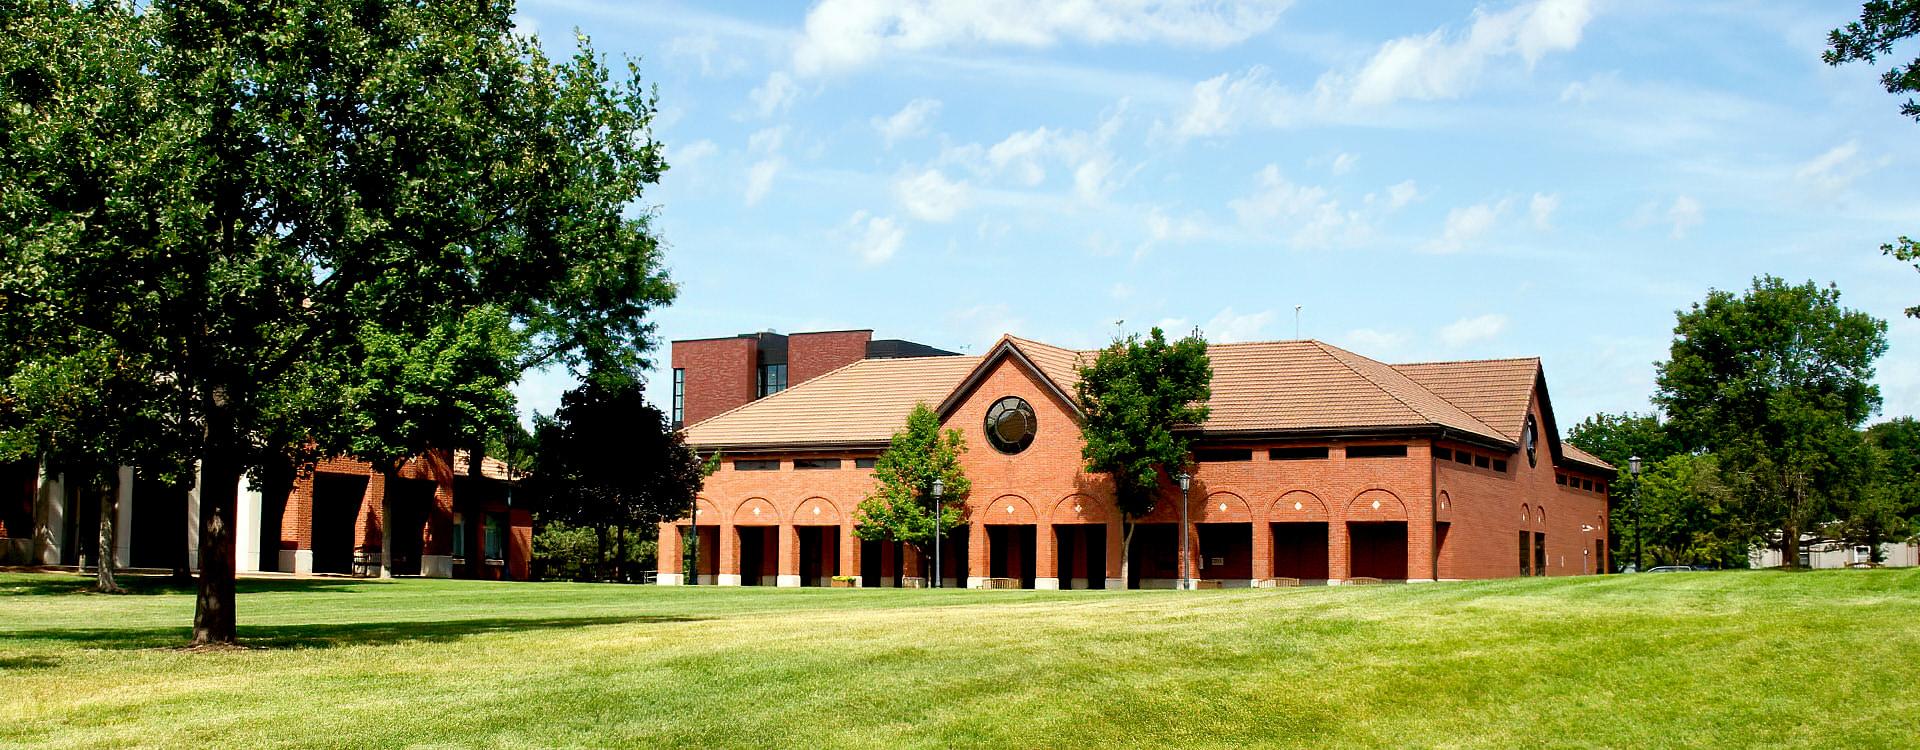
[(1881, 24), (610, 461), (1775, 383), (901, 507), (1688, 515), (1142, 398), (1889, 510), (1616, 439), (356, 214)]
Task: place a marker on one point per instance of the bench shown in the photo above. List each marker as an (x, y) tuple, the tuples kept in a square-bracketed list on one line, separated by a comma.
[(1276, 582), (1000, 583)]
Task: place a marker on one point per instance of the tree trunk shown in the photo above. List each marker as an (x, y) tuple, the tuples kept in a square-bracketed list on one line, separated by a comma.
[(1790, 546), (213, 621), (1126, 553), (690, 557), (389, 476), (600, 552), (620, 563), (109, 516)]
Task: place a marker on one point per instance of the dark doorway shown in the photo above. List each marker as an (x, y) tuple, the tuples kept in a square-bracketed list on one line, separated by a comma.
[(1600, 557), (82, 543), (1300, 551), (1011, 551), (706, 541), (819, 554), (753, 555), (1226, 551), (1155, 555), (1539, 553), (1082, 555), (158, 538), (1379, 549), (18, 482), (953, 556), (882, 564), (1442, 559), (410, 501), (336, 509), (273, 515)]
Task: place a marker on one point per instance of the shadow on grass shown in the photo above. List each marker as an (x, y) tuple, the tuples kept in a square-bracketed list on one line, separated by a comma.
[(57, 585), (330, 635), (17, 663)]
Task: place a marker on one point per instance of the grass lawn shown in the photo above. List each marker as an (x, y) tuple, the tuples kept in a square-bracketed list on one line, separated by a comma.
[(1714, 660)]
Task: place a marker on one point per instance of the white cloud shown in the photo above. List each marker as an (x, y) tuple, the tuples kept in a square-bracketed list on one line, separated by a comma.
[(1402, 193), (1541, 208), (686, 156), (760, 178), (875, 238), (1685, 214), (1025, 157), (1226, 327), (1120, 291), (910, 121), (1471, 330), (1343, 164), (930, 196), (1374, 343), (1223, 104), (987, 322), (1467, 224), (1832, 172), (775, 95), (767, 140), (707, 50), (844, 34), (1441, 65), (1311, 216)]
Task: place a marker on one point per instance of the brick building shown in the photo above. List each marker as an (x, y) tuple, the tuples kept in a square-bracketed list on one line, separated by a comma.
[(1317, 464), (448, 521), (711, 376)]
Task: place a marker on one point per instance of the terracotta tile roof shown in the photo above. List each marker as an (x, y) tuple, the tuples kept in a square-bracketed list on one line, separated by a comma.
[(1573, 452), (1496, 391), (863, 402), (1276, 386), (490, 467)]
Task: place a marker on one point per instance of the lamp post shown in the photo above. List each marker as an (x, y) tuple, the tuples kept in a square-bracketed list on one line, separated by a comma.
[(1633, 468), (1185, 480), (939, 488)]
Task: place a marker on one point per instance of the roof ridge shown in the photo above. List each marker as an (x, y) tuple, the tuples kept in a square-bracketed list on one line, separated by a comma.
[(809, 381), (1324, 349), (1473, 421), (1534, 358)]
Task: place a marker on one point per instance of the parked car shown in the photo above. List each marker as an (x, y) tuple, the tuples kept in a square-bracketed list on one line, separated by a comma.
[(1670, 569)]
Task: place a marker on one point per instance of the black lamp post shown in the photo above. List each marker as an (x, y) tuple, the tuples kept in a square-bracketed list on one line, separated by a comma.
[(1185, 480), (1633, 468), (939, 488)]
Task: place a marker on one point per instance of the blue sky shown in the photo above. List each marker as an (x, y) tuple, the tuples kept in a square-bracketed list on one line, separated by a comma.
[(1425, 180)]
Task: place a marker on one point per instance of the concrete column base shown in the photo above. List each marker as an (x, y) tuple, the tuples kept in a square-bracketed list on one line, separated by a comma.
[(786, 582), (974, 582), (668, 579), (1116, 584), (296, 561), (1047, 584), (436, 566), (1420, 580), (729, 579)]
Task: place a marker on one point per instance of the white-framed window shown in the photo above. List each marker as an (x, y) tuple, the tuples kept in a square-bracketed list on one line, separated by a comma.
[(496, 541), (459, 535), (1862, 553)]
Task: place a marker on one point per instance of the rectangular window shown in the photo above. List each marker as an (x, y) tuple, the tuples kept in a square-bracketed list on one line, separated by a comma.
[(679, 396), (1526, 553), (865, 463), (1443, 454), (1297, 453), (1540, 553), (1586, 484), (1481, 461), (1463, 457), (496, 541), (1560, 479), (1862, 554), (1500, 465), (1216, 455), (773, 379), (816, 463), (756, 465), (1376, 451), (459, 535)]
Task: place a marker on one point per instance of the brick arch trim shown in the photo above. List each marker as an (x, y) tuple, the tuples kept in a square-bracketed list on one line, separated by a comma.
[(1006, 509), (1080, 507), (744, 515), (1376, 504), (1311, 507), (815, 511), (1210, 511), (709, 513)]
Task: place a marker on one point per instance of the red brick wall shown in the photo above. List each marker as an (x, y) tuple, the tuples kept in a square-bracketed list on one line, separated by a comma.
[(296, 525), (721, 374), (1486, 515), (810, 355)]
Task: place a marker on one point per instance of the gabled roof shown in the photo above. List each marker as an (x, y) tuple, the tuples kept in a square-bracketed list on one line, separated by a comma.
[(1274, 387), (859, 404)]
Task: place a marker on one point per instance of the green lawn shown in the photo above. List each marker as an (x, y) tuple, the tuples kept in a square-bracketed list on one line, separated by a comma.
[(1696, 660)]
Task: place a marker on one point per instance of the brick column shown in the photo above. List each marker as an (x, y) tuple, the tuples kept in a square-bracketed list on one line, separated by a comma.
[(1046, 570), (1338, 567), (668, 558), (788, 568), (849, 551), (1262, 548), (729, 573), (977, 555)]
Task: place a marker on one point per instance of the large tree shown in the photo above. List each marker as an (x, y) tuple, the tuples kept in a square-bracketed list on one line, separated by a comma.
[(1775, 382), (1143, 398), (1688, 516), (610, 461), (901, 507), (361, 213), (1889, 509), (1618, 438), (1882, 24)]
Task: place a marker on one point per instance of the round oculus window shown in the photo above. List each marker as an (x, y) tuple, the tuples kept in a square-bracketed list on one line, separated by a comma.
[(1011, 424)]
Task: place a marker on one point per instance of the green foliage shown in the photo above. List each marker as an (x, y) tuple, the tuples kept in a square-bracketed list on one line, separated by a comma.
[(1688, 515), (1906, 251), (608, 458), (1774, 383), (1616, 438), (573, 553), (1140, 396), (277, 231), (900, 508), (1881, 24), (1889, 508)]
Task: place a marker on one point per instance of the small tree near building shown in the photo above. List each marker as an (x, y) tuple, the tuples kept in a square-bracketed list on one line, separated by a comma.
[(901, 507), (1140, 396)]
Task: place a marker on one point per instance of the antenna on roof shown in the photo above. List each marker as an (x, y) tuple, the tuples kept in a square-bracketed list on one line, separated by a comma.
[(1296, 322)]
